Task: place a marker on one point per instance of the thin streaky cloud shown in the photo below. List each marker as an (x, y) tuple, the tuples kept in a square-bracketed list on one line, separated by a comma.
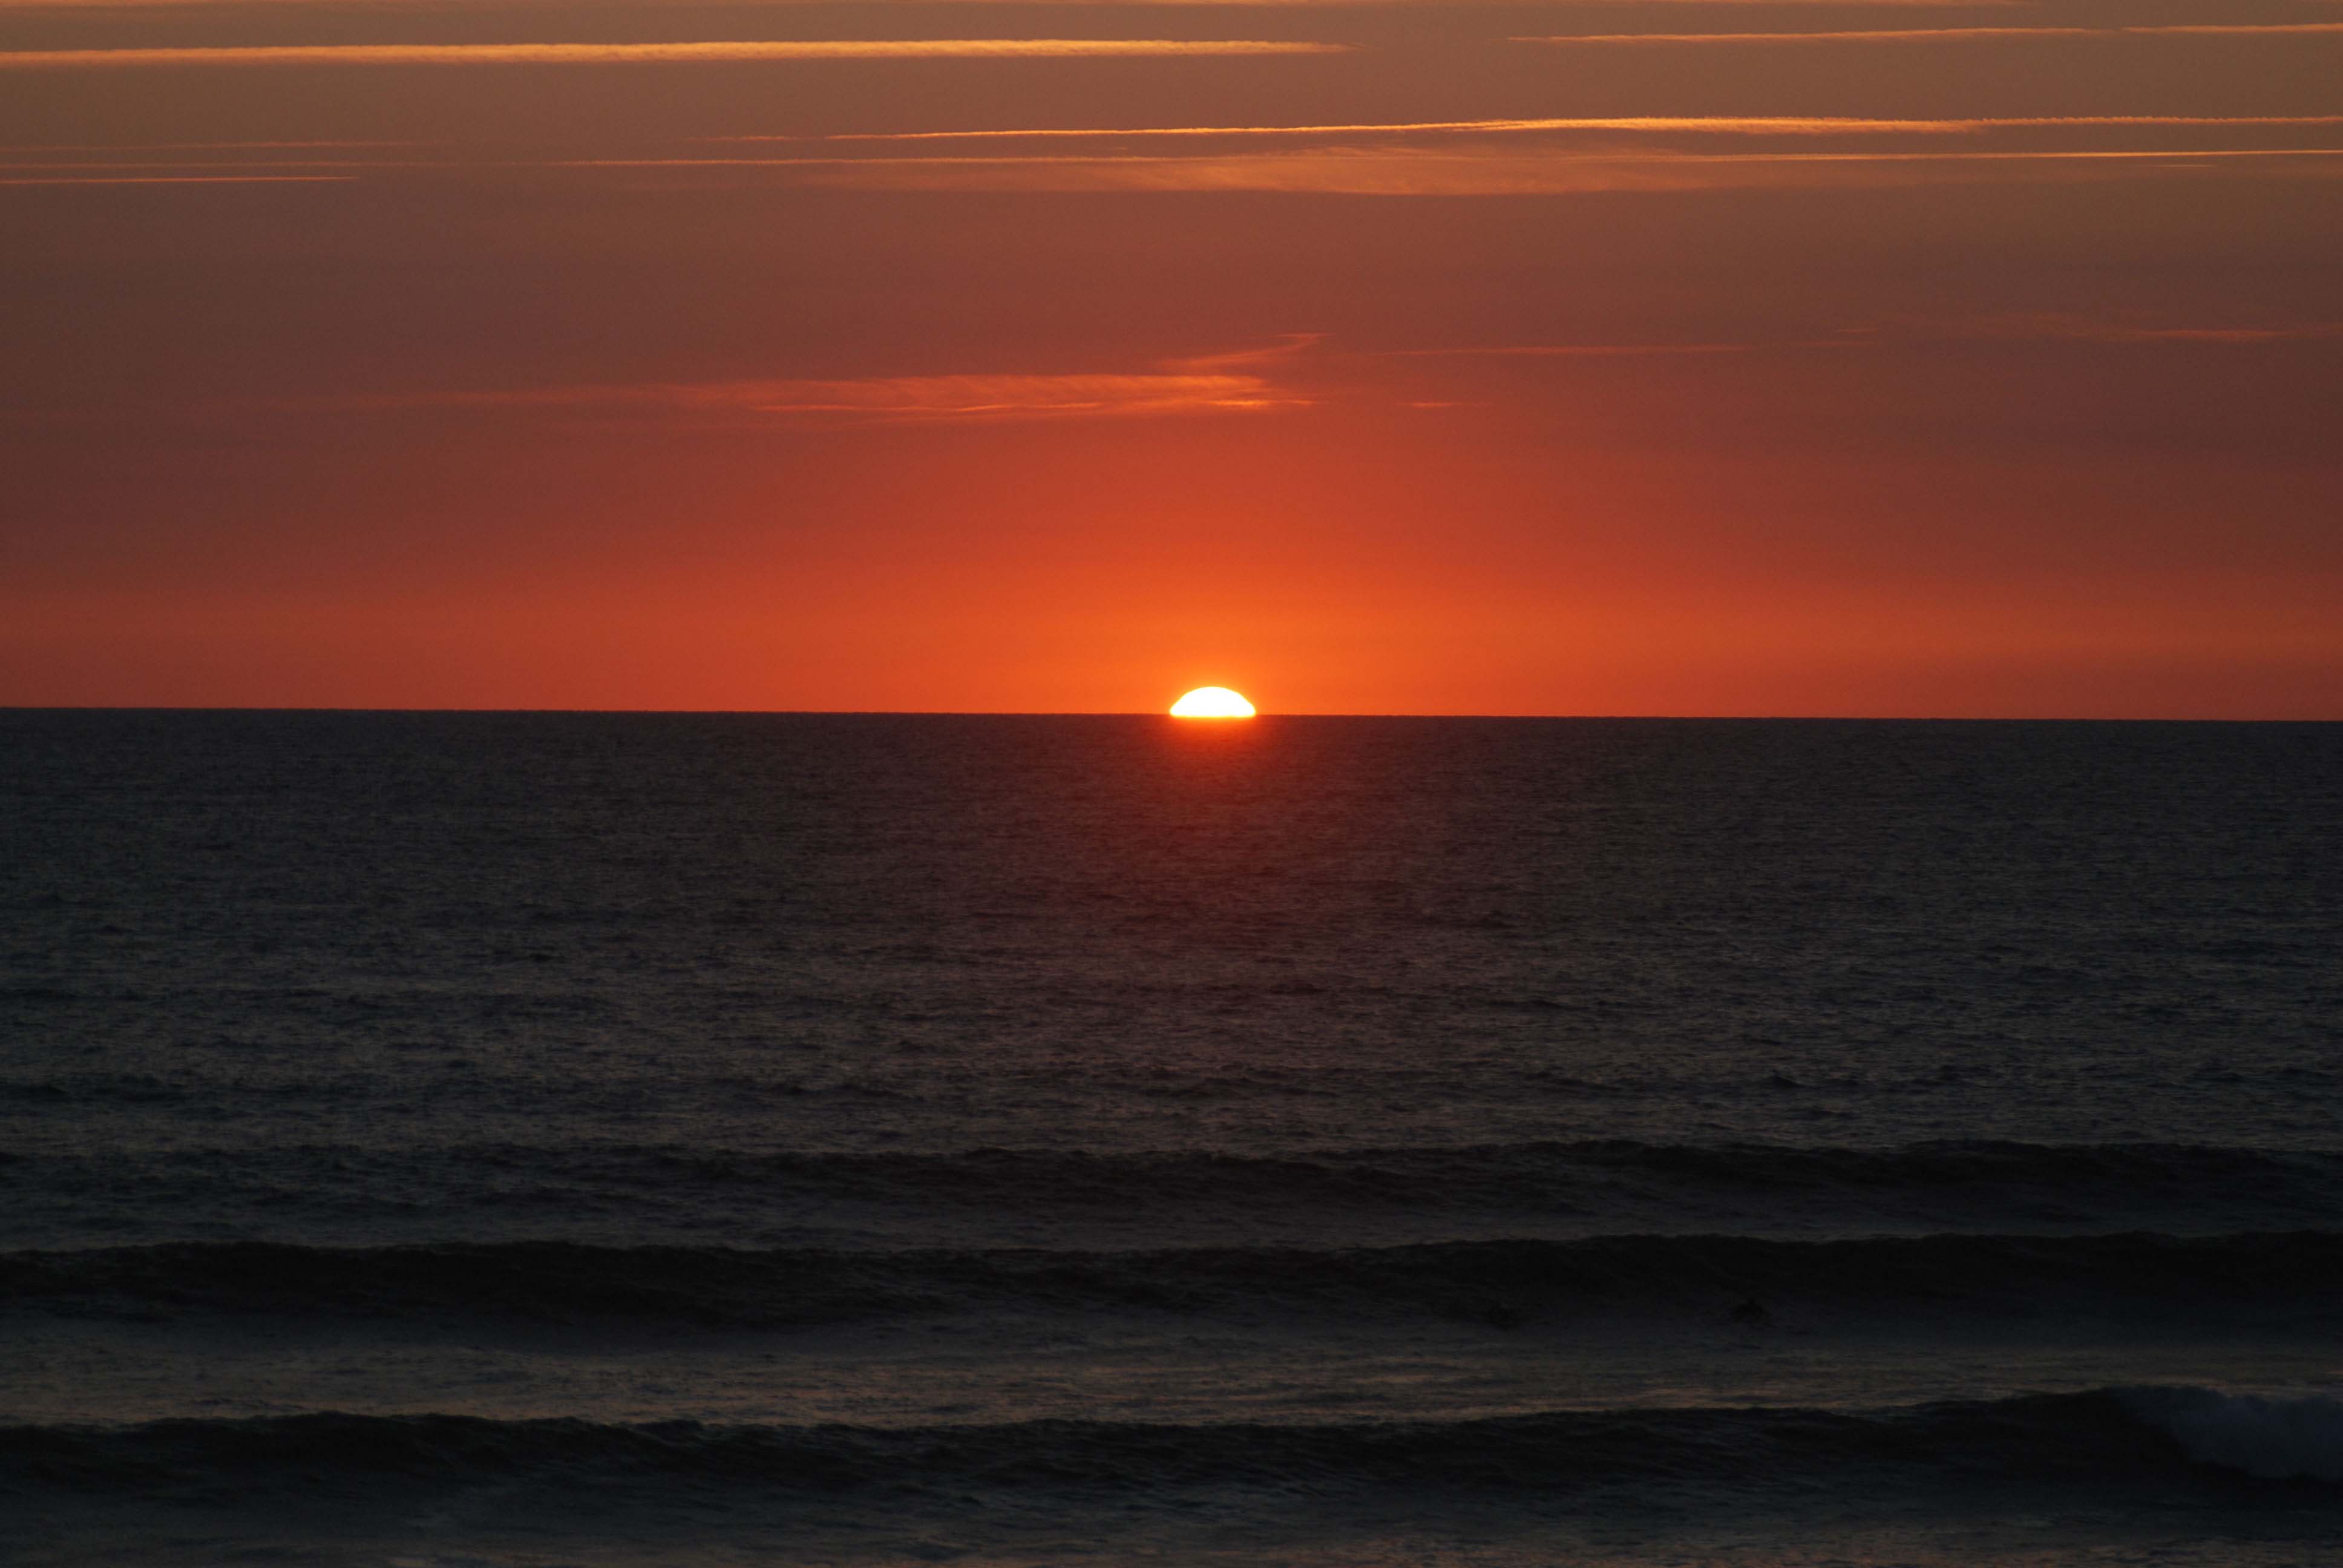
[(1360, 156), (631, 53), (1814, 5), (1283, 351), (179, 180), (73, 5), (1409, 172), (2235, 336), (1755, 125), (891, 398), (1838, 35), (52, 154), (1450, 169), (188, 146), (2083, 153), (1335, 169), (2067, 328), (153, 163), (1810, 5), (1571, 351), (2056, 329), (1945, 34), (2216, 29)]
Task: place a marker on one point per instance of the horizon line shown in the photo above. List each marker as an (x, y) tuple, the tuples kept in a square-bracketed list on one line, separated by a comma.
[(15, 709)]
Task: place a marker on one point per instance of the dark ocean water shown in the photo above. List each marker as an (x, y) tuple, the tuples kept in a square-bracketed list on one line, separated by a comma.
[(529, 1139)]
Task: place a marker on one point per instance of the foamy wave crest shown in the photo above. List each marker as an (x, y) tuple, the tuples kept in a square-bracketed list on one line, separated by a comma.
[(2274, 1439)]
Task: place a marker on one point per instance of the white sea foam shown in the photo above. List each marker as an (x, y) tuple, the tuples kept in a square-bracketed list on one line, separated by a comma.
[(2276, 1439)]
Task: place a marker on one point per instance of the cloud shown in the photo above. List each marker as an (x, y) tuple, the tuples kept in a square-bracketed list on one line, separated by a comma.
[(1947, 34), (68, 6), (190, 147), (2038, 327), (1537, 156), (1572, 351), (1204, 386), (1410, 171), (1459, 158), (660, 54), (2230, 29), (1700, 124), (87, 179), (2050, 327), (1285, 351)]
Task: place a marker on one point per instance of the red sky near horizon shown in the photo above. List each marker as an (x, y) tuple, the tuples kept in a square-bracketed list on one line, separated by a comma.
[(1571, 357)]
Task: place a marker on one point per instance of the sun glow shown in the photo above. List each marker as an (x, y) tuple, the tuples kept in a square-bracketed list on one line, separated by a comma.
[(1211, 702)]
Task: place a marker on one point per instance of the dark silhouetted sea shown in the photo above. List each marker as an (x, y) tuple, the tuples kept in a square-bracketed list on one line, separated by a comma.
[(710, 1140)]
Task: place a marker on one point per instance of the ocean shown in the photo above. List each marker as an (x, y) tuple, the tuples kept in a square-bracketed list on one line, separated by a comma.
[(534, 1139)]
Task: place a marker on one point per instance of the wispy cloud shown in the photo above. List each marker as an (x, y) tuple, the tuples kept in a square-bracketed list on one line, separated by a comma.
[(1209, 385), (71, 6), (1406, 171), (1948, 34), (1572, 351), (370, 154), (1460, 157), (631, 53), (189, 146), (2069, 329), (1697, 125), (1283, 351), (2228, 29), (1813, 4), (1911, 332), (90, 179)]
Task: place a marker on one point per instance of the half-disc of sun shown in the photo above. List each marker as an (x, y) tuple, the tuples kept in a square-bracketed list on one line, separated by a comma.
[(1211, 702)]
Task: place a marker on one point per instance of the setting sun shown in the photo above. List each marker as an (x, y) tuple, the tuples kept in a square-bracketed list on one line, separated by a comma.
[(1211, 702)]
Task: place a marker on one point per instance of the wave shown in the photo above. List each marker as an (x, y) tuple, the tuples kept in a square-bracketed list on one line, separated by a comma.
[(2264, 1278), (2141, 1437), (1588, 1187), (1548, 1176), (2274, 1439)]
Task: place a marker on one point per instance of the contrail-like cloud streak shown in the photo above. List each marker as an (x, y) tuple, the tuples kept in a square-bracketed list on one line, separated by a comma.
[(1178, 389), (2082, 329), (1400, 172), (1572, 351), (69, 5), (1463, 157), (654, 54), (1740, 126), (1951, 34), (79, 179)]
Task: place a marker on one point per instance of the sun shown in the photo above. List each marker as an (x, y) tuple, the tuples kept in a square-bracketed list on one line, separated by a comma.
[(1211, 702)]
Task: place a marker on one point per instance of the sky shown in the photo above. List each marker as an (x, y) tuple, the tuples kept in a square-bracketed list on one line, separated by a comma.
[(1554, 356)]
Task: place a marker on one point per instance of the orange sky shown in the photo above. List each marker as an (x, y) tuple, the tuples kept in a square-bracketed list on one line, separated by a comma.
[(1688, 356)]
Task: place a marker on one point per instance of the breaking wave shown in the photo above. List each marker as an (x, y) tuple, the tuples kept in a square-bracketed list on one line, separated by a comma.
[(2275, 1438)]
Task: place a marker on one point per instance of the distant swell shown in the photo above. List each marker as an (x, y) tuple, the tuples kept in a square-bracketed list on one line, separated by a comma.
[(611, 1192), (2109, 1436), (1566, 1176), (1507, 1283)]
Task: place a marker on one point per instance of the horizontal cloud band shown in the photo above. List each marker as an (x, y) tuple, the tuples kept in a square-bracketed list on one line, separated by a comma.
[(1952, 34), (630, 54), (1709, 125), (1406, 172), (1192, 388), (1334, 171)]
